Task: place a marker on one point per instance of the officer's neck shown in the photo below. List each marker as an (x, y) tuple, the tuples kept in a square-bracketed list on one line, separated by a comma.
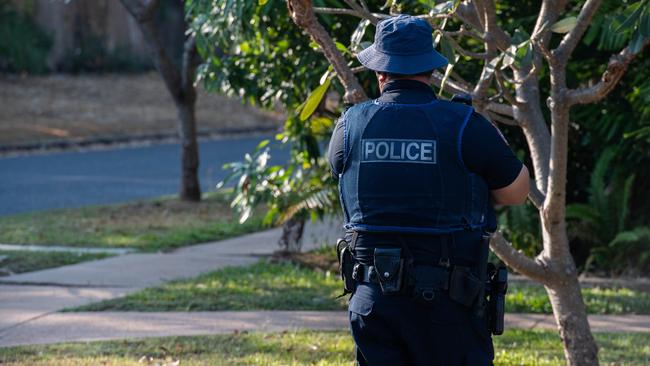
[(383, 80)]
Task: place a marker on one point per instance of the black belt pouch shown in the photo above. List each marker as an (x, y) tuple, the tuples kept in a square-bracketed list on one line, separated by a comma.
[(389, 266), (464, 287)]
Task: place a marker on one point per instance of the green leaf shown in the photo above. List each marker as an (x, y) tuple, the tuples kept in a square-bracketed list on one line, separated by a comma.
[(524, 55), (442, 8), (447, 50), (644, 25), (341, 47), (637, 42), (448, 70), (314, 100), (565, 25), (357, 35), (636, 9), (263, 2), (262, 144)]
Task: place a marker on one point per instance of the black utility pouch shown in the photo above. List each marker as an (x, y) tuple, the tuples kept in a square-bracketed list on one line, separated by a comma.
[(464, 286), (429, 281), (389, 267), (346, 265)]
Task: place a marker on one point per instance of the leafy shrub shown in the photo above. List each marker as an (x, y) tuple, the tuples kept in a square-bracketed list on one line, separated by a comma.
[(23, 45)]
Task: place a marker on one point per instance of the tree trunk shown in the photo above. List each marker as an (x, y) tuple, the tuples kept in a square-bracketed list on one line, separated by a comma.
[(291, 239), (580, 348), (190, 189), (180, 85), (565, 294)]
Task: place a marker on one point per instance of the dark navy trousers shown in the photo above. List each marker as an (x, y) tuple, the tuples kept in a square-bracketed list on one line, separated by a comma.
[(396, 330)]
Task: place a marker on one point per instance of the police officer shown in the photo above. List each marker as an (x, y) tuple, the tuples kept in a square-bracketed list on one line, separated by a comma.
[(417, 176)]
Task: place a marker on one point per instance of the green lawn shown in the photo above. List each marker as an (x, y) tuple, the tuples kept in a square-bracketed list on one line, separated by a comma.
[(260, 286), (27, 261), (286, 286), (514, 348), (148, 225)]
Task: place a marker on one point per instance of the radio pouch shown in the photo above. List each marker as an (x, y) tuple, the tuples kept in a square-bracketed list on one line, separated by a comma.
[(464, 287), (389, 267), (429, 281), (346, 265)]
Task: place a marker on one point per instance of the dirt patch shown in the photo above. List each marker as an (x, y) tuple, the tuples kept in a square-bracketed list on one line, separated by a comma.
[(63, 107), (314, 260)]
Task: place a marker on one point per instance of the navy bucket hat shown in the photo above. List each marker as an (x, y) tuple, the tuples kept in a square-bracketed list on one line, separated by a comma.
[(403, 45)]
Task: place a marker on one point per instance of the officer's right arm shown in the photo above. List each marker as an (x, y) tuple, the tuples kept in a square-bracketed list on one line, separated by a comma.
[(486, 153)]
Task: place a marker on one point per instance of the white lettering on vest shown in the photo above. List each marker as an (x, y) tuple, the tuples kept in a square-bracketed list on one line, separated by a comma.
[(426, 151), (381, 145), (398, 151)]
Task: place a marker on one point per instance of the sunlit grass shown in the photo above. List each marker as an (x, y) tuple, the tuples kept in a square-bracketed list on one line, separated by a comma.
[(287, 286), (148, 225), (514, 348)]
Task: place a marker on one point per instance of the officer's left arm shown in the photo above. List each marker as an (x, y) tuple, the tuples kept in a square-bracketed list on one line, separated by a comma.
[(335, 152)]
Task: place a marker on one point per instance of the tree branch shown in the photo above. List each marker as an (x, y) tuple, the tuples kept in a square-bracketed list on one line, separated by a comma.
[(571, 39), (462, 51), (504, 109), (501, 38), (362, 10), (535, 196), (302, 13), (533, 269), (504, 89), (616, 68), (496, 117), (450, 85)]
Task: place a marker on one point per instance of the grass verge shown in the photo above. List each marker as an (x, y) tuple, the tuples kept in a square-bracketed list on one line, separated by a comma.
[(151, 225), (27, 261), (288, 286), (269, 286), (514, 348)]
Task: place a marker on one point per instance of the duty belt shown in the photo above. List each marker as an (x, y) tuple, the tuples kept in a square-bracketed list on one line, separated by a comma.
[(457, 281)]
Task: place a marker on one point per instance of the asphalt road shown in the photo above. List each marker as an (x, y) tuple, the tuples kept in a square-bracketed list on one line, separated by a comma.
[(72, 179)]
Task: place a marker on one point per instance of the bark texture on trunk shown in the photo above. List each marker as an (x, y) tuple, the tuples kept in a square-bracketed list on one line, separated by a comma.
[(580, 348), (190, 189)]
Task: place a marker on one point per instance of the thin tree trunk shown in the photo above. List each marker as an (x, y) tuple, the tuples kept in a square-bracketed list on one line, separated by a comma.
[(580, 348), (180, 85), (190, 189)]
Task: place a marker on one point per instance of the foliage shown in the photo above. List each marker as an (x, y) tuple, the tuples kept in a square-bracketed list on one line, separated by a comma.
[(23, 45), (521, 226), (605, 221), (246, 62), (266, 60)]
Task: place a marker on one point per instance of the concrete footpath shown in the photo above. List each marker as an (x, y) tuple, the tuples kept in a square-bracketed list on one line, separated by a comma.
[(29, 303), (94, 326), (31, 296)]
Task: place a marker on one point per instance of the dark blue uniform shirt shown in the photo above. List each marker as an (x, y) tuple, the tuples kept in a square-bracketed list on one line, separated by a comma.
[(484, 151)]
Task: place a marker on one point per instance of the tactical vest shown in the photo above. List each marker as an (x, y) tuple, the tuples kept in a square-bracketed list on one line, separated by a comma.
[(404, 172)]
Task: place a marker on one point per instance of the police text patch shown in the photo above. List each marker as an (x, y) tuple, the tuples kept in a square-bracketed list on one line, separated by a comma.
[(398, 151)]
